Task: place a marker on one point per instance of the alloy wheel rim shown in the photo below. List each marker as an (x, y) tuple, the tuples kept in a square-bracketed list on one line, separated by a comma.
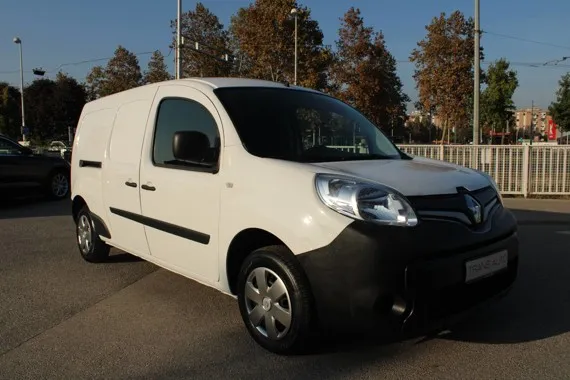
[(268, 303), (84, 236), (59, 185)]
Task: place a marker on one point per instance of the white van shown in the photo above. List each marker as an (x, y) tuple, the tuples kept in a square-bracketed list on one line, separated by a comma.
[(290, 201)]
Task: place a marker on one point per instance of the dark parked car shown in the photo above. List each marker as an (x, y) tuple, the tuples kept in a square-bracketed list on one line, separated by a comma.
[(22, 170)]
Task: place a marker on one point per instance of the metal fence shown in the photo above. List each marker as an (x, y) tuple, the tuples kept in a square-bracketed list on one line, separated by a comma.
[(517, 169)]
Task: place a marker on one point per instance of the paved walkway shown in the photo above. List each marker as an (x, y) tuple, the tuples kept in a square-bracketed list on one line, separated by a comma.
[(540, 211)]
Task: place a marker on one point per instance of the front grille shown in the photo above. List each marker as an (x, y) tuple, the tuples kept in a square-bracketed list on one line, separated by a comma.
[(453, 207)]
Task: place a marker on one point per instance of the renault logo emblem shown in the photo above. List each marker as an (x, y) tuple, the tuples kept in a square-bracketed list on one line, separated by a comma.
[(474, 208)]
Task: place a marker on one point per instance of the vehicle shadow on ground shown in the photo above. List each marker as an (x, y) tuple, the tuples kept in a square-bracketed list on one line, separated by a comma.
[(537, 308), (32, 207), (538, 305), (117, 256)]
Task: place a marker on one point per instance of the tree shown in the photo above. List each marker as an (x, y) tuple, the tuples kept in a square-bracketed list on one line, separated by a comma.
[(10, 111), (70, 97), (94, 83), (445, 68), (419, 129), (364, 73), (52, 106), (203, 27), (121, 73), (157, 71), (41, 109), (560, 109), (497, 106), (263, 35)]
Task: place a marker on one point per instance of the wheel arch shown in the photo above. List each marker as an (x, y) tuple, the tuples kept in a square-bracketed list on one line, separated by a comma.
[(98, 223), (77, 204), (244, 243)]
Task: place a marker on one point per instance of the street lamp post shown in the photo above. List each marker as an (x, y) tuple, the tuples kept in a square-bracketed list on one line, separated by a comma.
[(294, 12), (178, 69), (477, 85), (18, 41)]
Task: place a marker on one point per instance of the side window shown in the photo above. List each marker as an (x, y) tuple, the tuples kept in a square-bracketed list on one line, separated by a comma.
[(7, 148), (201, 142)]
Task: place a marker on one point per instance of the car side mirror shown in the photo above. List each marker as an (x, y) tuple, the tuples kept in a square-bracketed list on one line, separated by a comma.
[(193, 147)]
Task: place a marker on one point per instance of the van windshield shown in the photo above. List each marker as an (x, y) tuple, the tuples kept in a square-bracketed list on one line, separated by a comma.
[(302, 126)]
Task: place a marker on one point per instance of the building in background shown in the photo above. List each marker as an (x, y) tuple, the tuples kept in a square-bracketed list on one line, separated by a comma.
[(537, 118)]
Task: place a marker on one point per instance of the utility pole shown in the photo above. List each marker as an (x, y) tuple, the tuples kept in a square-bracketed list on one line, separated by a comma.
[(531, 128), (18, 42), (477, 83), (294, 12), (178, 40)]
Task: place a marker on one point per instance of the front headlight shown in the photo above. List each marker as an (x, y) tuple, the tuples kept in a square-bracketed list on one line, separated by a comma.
[(365, 201), (493, 185)]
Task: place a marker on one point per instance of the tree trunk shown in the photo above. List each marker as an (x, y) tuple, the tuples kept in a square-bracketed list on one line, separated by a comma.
[(443, 132)]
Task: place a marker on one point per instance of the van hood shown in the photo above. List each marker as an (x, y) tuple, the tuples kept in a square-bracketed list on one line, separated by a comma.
[(417, 177)]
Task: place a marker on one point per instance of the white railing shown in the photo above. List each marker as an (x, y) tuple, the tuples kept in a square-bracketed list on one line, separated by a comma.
[(517, 169)]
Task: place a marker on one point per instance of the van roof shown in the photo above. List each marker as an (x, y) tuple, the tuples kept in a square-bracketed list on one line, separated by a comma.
[(220, 82), (206, 82)]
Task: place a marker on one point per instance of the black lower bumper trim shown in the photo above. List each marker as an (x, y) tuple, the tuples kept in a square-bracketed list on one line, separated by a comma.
[(392, 279)]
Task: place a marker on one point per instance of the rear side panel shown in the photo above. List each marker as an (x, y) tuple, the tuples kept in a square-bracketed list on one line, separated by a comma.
[(89, 150)]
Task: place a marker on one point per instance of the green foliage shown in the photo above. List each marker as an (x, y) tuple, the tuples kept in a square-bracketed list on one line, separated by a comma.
[(10, 111), (94, 83), (263, 35), (560, 109), (52, 106), (364, 73), (121, 73), (70, 99), (204, 27), (157, 71), (445, 69), (420, 129), (497, 106)]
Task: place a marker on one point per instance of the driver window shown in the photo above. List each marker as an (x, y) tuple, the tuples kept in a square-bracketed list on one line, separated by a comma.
[(177, 115)]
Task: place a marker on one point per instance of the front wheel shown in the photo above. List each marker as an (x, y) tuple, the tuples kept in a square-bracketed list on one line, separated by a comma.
[(275, 300), (58, 185)]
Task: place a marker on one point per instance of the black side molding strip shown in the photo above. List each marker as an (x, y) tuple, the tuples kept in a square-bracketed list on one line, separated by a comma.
[(173, 229), (100, 226), (89, 164)]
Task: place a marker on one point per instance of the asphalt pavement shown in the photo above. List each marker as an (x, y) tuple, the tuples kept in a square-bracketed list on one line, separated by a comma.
[(63, 318)]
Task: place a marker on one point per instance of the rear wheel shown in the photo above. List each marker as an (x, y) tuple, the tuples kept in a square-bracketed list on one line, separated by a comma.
[(58, 185), (91, 247), (275, 300)]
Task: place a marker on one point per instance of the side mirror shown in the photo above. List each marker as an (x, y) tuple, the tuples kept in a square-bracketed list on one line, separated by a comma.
[(193, 147)]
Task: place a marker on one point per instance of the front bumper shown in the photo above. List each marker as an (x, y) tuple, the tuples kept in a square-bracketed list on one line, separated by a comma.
[(391, 278)]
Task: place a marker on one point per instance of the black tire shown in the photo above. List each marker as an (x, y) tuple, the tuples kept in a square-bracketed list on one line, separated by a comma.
[(58, 185), (96, 251), (277, 260)]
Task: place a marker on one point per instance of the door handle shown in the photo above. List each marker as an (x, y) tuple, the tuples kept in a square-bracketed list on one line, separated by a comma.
[(131, 184), (148, 187)]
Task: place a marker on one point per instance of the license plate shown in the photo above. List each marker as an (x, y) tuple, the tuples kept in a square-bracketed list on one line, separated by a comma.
[(486, 266)]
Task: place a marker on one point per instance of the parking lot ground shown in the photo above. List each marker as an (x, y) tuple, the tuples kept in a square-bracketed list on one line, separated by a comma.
[(63, 318)]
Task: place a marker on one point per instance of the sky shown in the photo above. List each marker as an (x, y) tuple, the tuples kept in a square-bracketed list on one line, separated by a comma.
[(74, 31)]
